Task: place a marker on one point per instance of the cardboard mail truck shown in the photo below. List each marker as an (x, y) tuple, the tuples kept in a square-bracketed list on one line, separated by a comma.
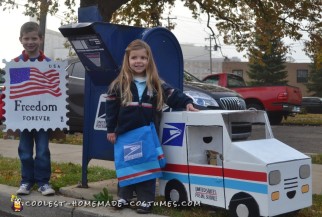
[(260, 176)]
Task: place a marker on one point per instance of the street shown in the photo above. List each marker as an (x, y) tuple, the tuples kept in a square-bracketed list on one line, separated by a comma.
[(307, 139)]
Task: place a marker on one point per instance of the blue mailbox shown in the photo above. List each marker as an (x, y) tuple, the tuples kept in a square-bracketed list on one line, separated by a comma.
[(100, 47)]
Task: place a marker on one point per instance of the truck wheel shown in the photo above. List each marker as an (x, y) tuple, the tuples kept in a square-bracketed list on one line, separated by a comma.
[(244, 207), (275, 119), (175, 191)]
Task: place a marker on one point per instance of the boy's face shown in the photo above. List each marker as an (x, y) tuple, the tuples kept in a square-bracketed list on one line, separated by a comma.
[(31, 42)]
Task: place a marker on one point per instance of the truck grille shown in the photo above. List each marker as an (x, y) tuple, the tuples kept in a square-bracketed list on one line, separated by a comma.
[(290, 185), (233, 103)]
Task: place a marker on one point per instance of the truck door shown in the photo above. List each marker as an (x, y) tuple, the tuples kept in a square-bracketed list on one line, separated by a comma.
[(205, 147)]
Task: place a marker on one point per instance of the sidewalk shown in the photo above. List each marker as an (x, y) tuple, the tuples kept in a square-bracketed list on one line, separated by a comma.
[(73, 153)]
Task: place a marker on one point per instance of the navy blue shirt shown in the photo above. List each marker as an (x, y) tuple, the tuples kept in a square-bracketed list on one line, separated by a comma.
[(120, 119)]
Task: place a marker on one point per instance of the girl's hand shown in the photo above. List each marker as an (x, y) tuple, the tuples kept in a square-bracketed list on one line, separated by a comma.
[(111, 137), (190, 107)]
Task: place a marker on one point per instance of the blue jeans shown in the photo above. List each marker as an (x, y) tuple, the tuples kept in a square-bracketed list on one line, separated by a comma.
[(38, 169)]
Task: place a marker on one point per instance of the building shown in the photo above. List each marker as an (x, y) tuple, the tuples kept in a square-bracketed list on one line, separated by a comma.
[(297, 73), (197, 62), (54, 45)]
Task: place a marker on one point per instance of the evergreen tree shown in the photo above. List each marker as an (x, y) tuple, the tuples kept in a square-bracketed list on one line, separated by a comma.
[(314, 50), (315, 78), (267, 62)]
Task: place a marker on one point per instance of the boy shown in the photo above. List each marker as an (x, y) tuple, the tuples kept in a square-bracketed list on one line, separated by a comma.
[(38, 169)]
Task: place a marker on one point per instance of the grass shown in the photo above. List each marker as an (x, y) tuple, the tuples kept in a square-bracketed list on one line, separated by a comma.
[(63, 174), (304, 119), (73, 139), (316, 158)]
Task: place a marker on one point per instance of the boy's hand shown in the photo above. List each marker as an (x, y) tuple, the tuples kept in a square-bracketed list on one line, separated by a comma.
[(111, 137)]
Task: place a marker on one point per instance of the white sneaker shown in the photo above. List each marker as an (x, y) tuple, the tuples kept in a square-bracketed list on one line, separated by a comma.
[(46, 190), (121, 203), (24, 189)]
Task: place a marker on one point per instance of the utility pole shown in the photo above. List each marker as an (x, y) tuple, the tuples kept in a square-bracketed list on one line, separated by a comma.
[(210, 49), (169, 23)]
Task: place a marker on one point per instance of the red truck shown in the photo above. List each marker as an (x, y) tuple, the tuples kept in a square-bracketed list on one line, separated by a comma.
[(277, 101)]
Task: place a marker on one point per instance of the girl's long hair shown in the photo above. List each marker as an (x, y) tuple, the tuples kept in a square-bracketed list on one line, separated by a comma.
[(123, 81)]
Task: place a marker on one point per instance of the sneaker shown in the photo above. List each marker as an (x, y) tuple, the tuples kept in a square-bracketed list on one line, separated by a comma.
[(145, 208), (24, 189), (46, 190), (121, 203)]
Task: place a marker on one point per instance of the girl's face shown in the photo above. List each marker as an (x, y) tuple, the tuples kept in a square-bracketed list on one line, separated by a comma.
[(138, 61), (31, 43)]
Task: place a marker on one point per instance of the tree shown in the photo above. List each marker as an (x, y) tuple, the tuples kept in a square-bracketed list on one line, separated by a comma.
[(235, 19), (39, 9), (268, 55), (267, 65), (314, 50), (315, 80)]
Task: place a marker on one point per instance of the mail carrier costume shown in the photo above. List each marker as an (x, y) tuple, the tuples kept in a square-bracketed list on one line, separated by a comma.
[(139, 113)]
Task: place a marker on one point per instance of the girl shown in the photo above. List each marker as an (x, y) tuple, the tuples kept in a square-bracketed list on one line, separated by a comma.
[(133, 100)]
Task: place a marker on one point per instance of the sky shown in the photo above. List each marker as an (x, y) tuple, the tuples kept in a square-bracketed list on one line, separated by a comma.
[(188, 30)]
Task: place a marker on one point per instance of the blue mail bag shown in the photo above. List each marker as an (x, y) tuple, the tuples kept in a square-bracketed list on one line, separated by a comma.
[(136, 156)]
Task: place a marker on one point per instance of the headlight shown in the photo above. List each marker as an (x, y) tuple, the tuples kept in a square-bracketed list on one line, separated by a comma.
[(242, 103), (274, 177), (201, 99), (305, 171)]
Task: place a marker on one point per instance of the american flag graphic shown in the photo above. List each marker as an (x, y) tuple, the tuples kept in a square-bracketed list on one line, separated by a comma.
[(30, 81)]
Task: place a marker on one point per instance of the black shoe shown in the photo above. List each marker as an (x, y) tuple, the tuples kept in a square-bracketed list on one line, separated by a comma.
[(121, 203), (145, 208)]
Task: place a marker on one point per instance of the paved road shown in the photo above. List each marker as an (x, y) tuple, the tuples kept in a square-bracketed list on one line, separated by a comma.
[(307, 139)]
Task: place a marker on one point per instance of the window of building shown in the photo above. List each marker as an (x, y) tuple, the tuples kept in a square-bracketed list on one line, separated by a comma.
[(302, 75), (238, 72)]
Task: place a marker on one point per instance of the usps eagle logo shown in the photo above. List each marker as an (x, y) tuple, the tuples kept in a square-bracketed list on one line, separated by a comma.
[(133, 151), (173, 134)]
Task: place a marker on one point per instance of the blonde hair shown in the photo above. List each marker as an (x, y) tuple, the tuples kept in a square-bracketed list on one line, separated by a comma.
[(125, 77)]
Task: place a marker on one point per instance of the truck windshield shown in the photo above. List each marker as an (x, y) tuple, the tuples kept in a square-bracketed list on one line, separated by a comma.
[(235, 81), (255, 122)]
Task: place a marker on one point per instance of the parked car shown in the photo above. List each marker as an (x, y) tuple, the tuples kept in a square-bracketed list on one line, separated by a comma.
[(312, 105), (205, 96)]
